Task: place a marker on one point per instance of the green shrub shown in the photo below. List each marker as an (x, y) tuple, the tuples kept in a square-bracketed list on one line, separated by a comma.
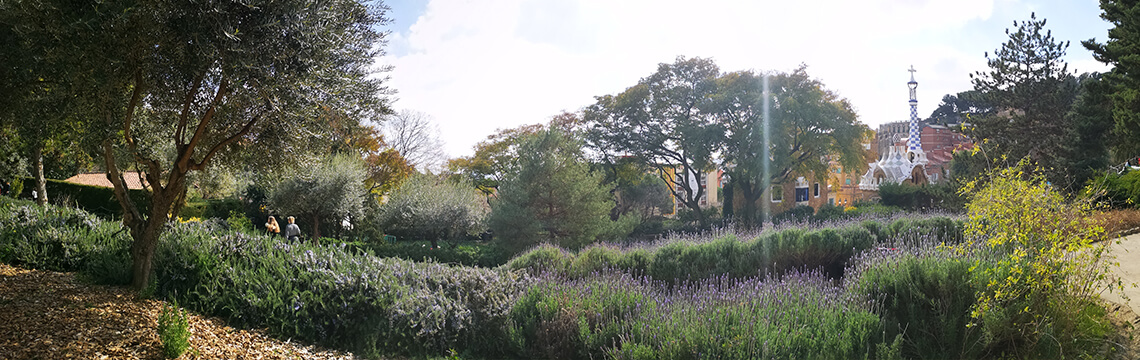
[(926, 299), (173, 330), (334, 296), (577, 320), (799, 213), (771, 253), (238, 221), (1047, 260), (17, 188), (466, 253), (799, 317), (829, 212), (51, 237), (593, 259), (1121, 191), (927, 197), (545, 257), (193, 209), (94, 199), (222, 208)]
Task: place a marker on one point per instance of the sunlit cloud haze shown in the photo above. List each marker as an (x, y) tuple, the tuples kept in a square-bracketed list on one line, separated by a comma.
[(477, 66)]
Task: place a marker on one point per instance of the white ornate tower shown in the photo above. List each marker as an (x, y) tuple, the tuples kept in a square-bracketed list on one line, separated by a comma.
[(898, 164), (914, 143), (914, 151)]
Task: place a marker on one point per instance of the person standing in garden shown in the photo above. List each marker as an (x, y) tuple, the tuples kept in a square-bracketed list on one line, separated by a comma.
[(292, 232), (272, 227)]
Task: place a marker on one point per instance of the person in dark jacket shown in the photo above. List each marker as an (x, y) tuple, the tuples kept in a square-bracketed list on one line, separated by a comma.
[(292, 231)]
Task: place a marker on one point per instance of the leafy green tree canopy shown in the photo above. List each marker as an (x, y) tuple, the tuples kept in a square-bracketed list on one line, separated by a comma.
[(689, 118), (808, 123), (667, 121), (497, 156), (171, 86)]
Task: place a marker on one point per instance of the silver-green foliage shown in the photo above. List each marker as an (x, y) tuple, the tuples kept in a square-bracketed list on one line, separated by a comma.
[(54, 238), (329, 190), (335, 296), (429, 207)]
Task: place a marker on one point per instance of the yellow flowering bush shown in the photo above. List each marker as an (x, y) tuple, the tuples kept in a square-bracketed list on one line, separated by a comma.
[(1045, 261)]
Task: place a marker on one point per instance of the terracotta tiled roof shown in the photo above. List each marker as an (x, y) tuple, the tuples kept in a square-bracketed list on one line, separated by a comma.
[(100, 179)]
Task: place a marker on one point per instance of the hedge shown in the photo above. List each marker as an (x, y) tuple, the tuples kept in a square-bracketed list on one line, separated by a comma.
[(97, 200), (770, 253)]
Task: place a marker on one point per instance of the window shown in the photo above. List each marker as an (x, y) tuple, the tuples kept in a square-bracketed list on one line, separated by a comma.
[(777, 193), (816, 190), (831, 202), (801, 194), (848, 181)]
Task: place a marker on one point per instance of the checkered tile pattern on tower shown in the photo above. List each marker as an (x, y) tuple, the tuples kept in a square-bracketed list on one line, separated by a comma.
[(915, 142)]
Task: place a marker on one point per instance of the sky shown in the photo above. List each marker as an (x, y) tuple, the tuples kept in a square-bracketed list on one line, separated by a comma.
[(475, 66)]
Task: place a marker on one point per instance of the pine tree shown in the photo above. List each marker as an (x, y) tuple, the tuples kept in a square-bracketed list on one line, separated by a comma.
[(1120, 51), (1032, 90), (553, 197)]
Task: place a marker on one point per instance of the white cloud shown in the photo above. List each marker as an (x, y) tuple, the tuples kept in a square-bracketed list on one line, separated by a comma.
[(476, 66)]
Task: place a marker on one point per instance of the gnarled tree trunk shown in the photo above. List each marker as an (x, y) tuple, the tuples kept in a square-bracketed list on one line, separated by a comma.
[(38, 166)]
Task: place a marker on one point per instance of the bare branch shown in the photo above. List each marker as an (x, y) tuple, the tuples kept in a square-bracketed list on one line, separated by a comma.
[(414, 136)]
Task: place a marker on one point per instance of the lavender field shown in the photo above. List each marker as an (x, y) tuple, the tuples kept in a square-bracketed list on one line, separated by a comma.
[(877, 289)]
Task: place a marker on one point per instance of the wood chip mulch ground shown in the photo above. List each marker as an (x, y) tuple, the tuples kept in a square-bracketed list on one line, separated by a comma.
[(50, 315)]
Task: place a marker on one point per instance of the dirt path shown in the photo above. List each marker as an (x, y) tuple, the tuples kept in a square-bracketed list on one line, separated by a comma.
[(1124, 312), (49, 315), (1128, 254)]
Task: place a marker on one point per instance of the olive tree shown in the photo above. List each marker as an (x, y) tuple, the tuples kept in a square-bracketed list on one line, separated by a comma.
[(434, 208), (172, 86), (328, 191)]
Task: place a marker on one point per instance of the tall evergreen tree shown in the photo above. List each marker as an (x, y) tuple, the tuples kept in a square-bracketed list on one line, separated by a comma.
[(552, 197), (1031, 89), (1120, 51), (1086, 150)]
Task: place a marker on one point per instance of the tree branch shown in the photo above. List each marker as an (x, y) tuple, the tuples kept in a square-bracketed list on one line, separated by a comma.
[(136, 94), (131, 216), (186, 110), (244, 130), (184, 158)]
